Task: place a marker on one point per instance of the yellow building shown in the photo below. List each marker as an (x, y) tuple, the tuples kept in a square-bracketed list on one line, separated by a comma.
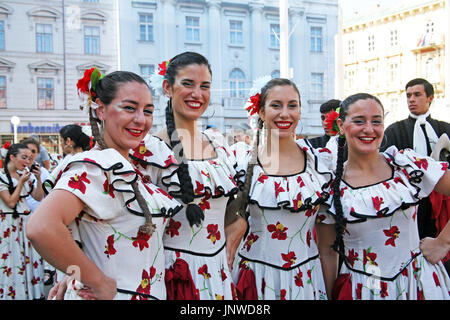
[(385, 48)]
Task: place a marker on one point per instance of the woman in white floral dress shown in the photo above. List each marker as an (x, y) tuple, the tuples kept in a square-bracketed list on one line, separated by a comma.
[(120, 216), (286, 183), (374, 202), (199, 171), (18, 275)]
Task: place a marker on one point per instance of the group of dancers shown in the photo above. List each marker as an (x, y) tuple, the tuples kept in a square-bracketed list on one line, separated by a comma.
[(175, 215)]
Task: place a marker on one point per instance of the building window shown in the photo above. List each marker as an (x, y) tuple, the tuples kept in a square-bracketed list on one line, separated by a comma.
[(393, 72), (2, 92), (316, 39), (45, 91), (237, 84), (430, 27), (146, 27), (317, 85), (394, 38), (91, 40), (370, 76), (44, 38), (351, 48), (371, 42), (192, 29), (146, 71), (236, 32), (2, 35), (351, 78), (275, 36)]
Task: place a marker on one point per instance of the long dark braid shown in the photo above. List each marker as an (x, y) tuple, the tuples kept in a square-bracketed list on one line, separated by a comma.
[(194, 213), (339, 213), (13, 150), (239, 205), (106, 90)]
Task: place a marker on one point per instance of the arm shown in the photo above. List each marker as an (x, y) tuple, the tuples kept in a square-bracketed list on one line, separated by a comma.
[(48, 232), (435, 249), (38, 192), (234, 233), (11, 199), (329, 258), (443, 186)]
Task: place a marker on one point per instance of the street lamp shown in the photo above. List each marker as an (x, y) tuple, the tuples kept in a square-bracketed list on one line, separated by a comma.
[(15, 120)]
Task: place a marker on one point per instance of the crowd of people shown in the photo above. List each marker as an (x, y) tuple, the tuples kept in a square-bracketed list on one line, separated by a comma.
[(183, 214)]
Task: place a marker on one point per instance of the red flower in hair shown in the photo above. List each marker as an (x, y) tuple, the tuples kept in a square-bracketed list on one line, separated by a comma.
[(162, 67), (83, 83), (255, 104), (6, 145), (332, 123)]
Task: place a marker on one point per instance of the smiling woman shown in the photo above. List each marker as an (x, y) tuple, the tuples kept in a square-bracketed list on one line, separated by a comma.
[(120, 216)]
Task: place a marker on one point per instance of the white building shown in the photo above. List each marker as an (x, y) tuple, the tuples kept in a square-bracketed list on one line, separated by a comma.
[(45, 46), (384, 49), (241, 41)]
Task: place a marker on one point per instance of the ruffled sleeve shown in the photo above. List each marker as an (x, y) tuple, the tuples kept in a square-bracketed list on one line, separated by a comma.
[(102, 180), (413, 178), (296, 192)]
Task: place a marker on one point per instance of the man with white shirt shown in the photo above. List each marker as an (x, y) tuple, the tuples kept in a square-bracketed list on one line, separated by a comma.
[(419, 132)]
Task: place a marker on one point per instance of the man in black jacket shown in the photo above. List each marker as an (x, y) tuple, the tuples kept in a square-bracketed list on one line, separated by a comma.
[(419, 132)]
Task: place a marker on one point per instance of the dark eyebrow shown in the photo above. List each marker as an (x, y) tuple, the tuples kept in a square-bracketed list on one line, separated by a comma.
[(135, 103), (190, 80)]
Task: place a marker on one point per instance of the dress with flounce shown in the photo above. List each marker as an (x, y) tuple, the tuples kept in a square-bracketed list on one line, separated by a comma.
[(279, 258), (382, 256), (21, 268), (108, 226), (196, 260)]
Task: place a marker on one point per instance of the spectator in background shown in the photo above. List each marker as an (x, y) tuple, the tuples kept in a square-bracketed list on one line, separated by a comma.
[(43, 157), (325, 108), (74, 140)]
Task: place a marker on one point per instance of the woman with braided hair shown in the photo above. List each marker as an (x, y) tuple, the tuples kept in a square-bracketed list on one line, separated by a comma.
[(18, 280), (120, 216), (285, 184), (199, 171), (375, 197)]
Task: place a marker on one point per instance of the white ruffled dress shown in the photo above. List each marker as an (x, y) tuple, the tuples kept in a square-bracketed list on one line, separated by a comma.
[(21, 268), (196, 260), (382, 256), (108, 226), (280, 255)]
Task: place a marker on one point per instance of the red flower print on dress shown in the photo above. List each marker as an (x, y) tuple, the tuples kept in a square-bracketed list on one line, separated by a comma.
[(170, 160), (173, 227), (262, 177), (300, 182), (398, 180), (145, 285), (278, 231), (359, 287), (223, 275), (369, 257), (298, 278), (200, 187), (12, 292), (421, 163), (436, 279), (204, 203), (308, 238), (352, 256), (444, 166), (251, 239), (108, 188), (203, 271), (289, 258), (384, 293), (377, 201), (213, 232), (386, 184), (283, 294), (141, 240), (278, 189), (141, 151), (298, 201), (392, 233), (109, 248), (77, 182)]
